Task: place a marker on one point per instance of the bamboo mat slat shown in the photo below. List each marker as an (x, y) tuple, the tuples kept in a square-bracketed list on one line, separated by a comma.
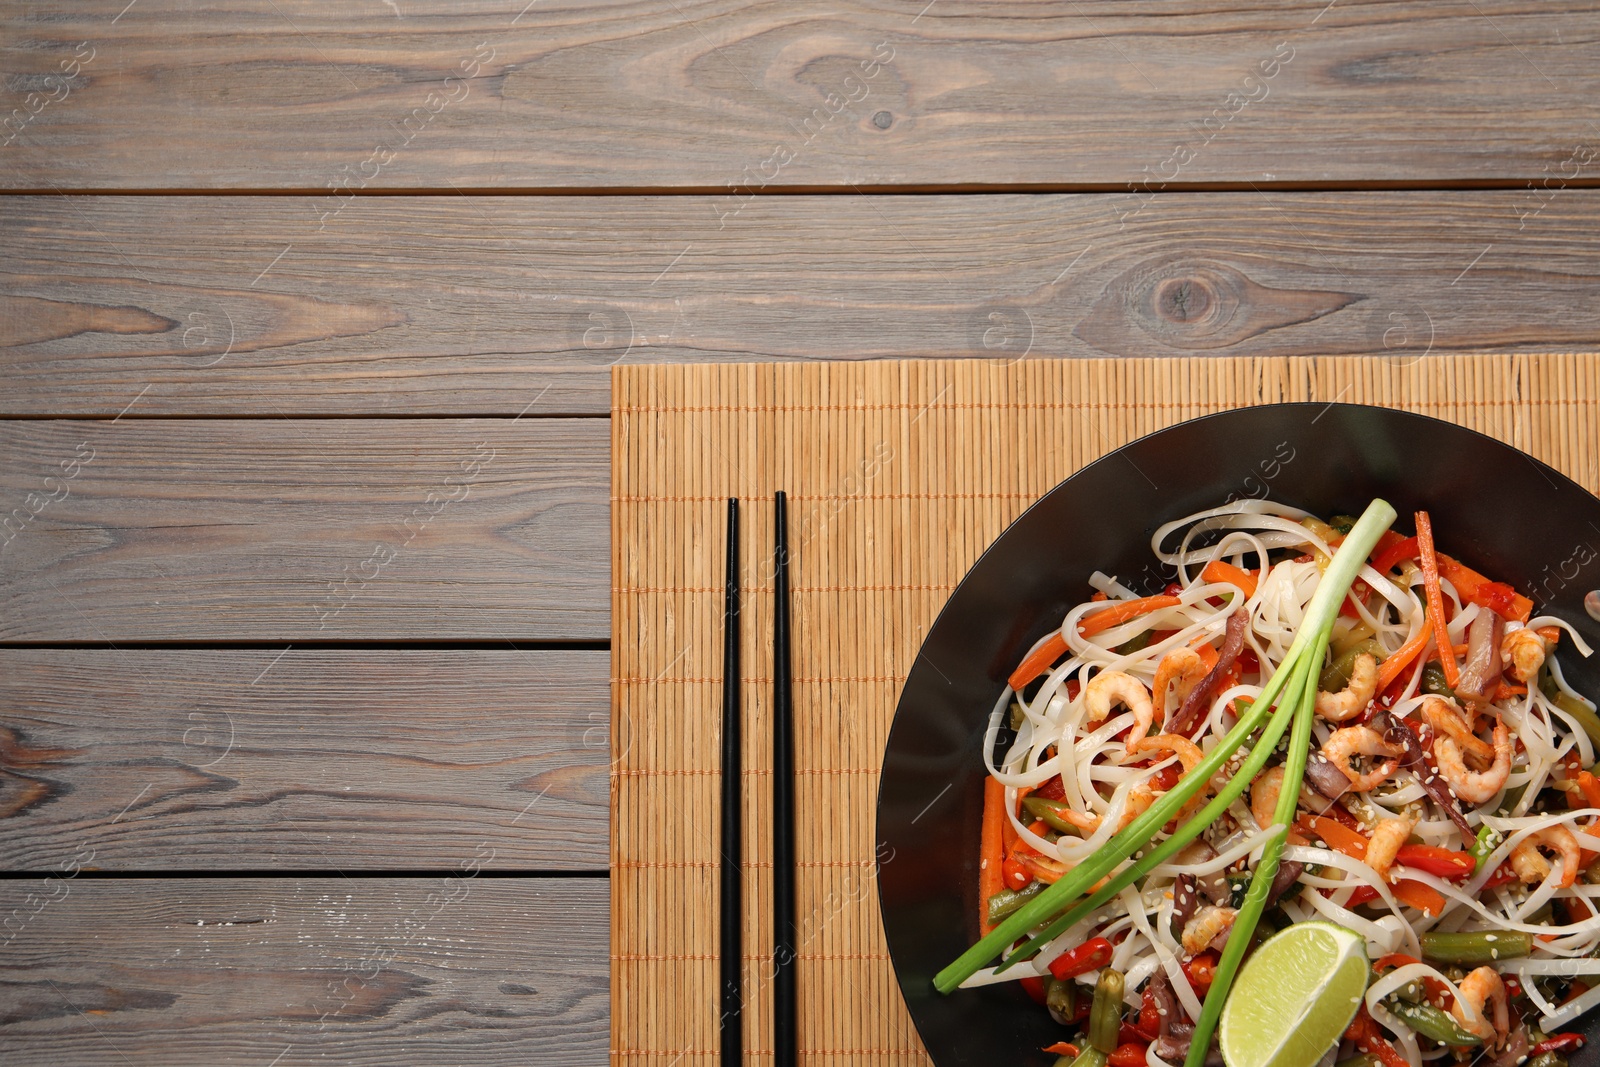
[(899, 475)]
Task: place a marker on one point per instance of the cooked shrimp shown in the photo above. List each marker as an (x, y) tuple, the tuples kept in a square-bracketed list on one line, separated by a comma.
[(1188, 754), (1532, 867), (1111, 687), (1522, 654), (1187, 751), (1264, 793), (1183, 665), (1351, 741), (1387, 837), (1353, 699), (1139, 801), (1205, 925), (1475, 787), (1482, 985), (1449, 721)]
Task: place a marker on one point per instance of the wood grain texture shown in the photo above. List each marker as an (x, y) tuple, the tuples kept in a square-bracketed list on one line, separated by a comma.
[(500, 305), (291, 972), (273, 529), (711, 93), (303, 759)]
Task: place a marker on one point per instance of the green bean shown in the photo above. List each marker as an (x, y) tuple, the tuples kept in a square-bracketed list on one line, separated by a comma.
[(1488, 840), (1050, 811), (1089, 1057), (1136, 643), (1547, 1059), (1483, 946), (1591, 874), (1061, 998), (1430, 1022), (1007, 901), (1105, 1014), (1411, 991), (1337, 674), (1433, 681), (1580, 711)]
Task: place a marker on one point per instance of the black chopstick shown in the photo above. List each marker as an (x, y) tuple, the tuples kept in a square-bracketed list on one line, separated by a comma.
[(784, 1012), (732, 783)]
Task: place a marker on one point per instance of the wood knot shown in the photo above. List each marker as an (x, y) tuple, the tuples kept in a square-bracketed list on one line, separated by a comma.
[(1182, 300), (1194, 304)]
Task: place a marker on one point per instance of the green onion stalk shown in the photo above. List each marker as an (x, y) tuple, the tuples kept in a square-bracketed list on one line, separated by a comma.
[(1289, 696)]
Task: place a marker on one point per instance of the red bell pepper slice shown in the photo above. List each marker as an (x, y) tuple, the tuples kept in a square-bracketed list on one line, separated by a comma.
[(1201, 970), (1130, 1054), (1387, 559), (1561, 1044), (1092, 955), (1364, 1032), (1444, 862)]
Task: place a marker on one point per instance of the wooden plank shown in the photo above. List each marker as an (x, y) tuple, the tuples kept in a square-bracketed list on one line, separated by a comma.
[(282, 530), (303, 759), (707, 94), (281, 971), (500, 305)]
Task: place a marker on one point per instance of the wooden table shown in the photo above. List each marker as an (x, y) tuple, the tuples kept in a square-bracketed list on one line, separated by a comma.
[(307, 313)]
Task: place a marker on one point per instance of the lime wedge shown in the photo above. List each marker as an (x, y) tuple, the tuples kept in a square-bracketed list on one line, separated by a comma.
[(1294, 998)]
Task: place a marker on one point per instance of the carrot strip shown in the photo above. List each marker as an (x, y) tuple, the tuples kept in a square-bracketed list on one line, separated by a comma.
[(1220, 571), (1402, 657), (1589, 785), (1551, 634), (1038, 661), (991, 852), (1589, 790), (1123, 611), (1338, 836), (1430, 582), (1417, 895)]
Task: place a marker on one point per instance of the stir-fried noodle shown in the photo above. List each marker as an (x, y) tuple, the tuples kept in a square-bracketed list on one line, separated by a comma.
[(1448, 813)]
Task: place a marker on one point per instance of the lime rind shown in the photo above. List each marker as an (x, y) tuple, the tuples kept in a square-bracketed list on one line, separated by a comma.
[(1294, 997)]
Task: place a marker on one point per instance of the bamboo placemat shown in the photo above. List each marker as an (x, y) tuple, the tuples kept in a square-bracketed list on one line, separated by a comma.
[(899, 475)]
